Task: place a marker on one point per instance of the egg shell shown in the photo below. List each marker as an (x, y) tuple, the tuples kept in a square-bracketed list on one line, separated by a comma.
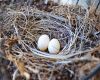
[(43, 42), (54, 46)]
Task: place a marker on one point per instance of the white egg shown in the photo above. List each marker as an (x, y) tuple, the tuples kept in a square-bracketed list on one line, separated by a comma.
[(43, 42), (54, 46)]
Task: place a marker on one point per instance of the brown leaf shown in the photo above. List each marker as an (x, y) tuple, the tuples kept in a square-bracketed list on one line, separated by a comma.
[(19, 64)]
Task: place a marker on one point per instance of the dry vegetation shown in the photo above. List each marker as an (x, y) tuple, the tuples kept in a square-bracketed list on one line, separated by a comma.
[(74, 27)]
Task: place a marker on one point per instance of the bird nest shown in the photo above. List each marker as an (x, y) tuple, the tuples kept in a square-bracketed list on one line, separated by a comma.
[(70, 25)]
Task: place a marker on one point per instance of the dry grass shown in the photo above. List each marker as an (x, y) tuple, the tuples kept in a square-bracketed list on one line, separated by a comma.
[(71, 25)]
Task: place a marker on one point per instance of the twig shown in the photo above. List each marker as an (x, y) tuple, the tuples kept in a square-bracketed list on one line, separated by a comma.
[(92, 73)]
